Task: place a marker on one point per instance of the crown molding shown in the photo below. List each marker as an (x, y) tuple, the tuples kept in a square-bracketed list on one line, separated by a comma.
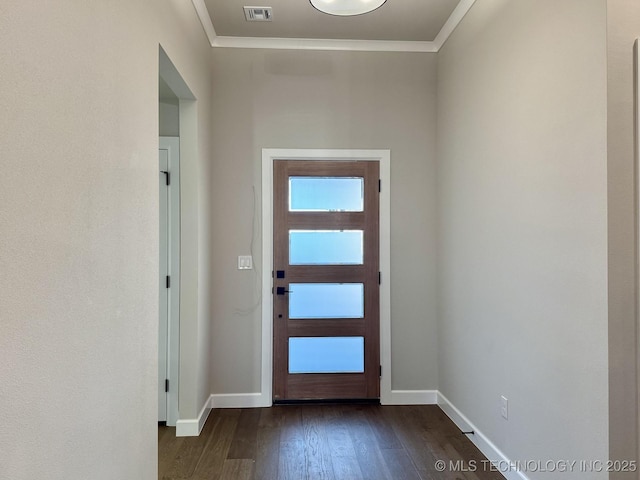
[(331, 44), (323, 44), (205, 20), (454, 20)]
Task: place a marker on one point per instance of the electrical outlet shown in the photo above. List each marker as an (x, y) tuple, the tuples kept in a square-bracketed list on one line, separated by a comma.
[(504, 407), (245, 262)]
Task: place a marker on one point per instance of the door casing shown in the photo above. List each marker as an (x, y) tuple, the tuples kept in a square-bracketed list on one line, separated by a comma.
[(269, 155), (172, 146)]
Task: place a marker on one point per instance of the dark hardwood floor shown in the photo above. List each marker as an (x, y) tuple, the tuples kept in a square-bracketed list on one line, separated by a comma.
[(324, 442)]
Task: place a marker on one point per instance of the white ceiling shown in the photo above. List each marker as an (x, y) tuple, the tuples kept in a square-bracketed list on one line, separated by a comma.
[(405, 20), (411, 25)]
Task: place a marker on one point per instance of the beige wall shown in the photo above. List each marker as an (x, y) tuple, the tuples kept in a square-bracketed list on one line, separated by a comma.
[(522, 225), (79, 223), (293, 99), (169, 112), (522, 179), (169, 119), (624, 28)]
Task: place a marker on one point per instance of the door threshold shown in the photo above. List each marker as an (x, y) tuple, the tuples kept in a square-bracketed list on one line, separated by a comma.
[(330, 401)]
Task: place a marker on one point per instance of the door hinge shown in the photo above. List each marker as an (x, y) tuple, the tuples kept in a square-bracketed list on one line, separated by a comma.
[(379, 278), (167, 177), (379, 185), (168, 280), (166, 385), (380, 371)]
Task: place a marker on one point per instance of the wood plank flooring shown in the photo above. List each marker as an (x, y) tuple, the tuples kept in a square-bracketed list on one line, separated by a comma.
[(323, 442)]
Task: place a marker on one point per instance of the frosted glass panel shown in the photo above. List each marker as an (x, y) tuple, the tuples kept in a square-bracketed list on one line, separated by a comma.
[(326, 355), (326, 300), (326, 194), (325, 247)]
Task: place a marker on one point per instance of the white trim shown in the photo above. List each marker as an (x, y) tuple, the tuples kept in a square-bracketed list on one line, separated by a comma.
[(193, 426), (267, 282), (331, 44), (323, 44), (268, 156), (454, 20), (385, 277), (172, 145), (237, 400), (483, 443), (205, 20), (412, 397), (254, 400)]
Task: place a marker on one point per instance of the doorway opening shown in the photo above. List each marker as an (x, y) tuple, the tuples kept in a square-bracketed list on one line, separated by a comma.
[(177, 140)]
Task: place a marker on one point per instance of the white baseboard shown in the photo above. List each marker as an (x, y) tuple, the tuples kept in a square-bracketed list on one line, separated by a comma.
[(193, 426), (239, 400), (257, 400), (485, 445), (411, 397)]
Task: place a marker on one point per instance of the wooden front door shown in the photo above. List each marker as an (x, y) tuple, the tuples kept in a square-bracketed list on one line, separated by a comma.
[(326, 317)]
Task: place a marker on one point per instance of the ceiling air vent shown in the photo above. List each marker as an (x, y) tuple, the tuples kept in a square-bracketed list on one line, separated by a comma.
[(257, 14)]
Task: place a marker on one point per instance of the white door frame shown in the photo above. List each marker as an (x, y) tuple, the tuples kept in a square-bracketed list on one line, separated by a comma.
[(163, 291), (269, 155), (172, 145)]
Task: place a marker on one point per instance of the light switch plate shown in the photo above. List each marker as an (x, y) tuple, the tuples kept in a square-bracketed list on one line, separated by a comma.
[(504, 407), (245, 262)]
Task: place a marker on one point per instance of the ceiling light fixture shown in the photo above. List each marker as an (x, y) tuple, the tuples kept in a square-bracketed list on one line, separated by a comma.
[(347, 8)]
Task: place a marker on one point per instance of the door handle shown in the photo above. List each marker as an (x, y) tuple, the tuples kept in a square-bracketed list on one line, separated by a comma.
[(282, 291)]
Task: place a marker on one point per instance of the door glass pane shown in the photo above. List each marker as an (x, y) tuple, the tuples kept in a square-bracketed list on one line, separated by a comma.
[(326, 355), (325, 247), (326, 300), (326, 194)]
